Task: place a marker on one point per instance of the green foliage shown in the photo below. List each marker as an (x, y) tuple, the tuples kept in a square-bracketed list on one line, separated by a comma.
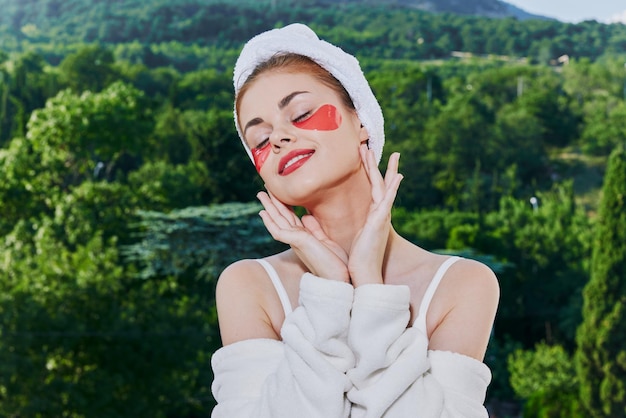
[(604, 127), (383, 29), (84, 115), (91, 134), (121, 172), (73, 139), (431, 229), (203, 238), (478, 136), (213, 142), (22, 195), (25, 85), (90, 68), (81, 338), (78, 321), (599, 90), (93, 208), (548, 248), (205, 89), (601, 355), (542, 257), (546, 378), (496, 357), (163, 187)]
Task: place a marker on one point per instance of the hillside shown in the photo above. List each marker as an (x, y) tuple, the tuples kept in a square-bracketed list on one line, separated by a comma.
[(484, 8), (391, 29), (17, 13)]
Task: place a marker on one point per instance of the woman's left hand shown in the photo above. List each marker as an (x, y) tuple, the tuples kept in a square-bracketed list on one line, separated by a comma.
[(367, 253)]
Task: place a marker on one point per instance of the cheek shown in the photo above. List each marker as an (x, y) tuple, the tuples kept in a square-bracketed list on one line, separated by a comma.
[(260, 155), (326, 118)]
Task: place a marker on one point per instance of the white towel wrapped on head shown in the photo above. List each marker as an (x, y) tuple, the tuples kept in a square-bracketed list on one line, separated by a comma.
[(300, 39)]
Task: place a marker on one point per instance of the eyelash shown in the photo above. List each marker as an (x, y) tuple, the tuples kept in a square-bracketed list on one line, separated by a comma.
[(262, 144), (300, 118)]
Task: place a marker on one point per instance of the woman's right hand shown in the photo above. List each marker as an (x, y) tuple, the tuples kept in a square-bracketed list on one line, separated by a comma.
[(322, 256)]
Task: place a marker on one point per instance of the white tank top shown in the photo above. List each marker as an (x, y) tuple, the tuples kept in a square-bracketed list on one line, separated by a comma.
[(278, 285), (420, 319)]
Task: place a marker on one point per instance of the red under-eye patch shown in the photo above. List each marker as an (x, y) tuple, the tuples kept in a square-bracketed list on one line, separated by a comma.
[(260, 155), (326, 118)]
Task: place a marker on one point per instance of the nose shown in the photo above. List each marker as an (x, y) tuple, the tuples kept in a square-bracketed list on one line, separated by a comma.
[(281, 137)]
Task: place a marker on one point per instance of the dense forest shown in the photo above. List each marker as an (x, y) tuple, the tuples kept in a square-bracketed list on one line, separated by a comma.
[(124, 191), (163, 33)]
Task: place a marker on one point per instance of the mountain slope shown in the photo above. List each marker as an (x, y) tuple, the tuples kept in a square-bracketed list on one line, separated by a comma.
[(390, 29), (20, 10), (486, 8)]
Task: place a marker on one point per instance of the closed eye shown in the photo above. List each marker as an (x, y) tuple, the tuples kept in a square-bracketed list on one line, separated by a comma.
[(262, 144), (302, 117)]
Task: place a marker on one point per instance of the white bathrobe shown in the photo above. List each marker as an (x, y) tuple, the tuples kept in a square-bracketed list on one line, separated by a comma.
[(347, 353)]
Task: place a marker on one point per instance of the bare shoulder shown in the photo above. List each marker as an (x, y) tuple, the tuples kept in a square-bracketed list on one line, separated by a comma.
[(467, 303), (240, 274), (238, 282), (474, 278), (241, 297)]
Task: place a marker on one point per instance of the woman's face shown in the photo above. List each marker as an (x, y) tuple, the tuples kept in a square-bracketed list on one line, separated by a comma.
[(302, 137)]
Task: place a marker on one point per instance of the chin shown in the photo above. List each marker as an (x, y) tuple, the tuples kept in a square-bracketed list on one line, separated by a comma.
[(301, 195), (291, 199)]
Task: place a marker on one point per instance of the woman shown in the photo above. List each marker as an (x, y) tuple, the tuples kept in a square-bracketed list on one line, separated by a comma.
[(352, 320)]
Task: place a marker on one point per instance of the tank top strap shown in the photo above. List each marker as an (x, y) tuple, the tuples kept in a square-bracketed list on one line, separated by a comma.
[(420, 320), (278, 285)]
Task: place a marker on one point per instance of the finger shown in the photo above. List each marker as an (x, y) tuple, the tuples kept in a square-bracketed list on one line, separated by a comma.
[(272, 227), (313, 226), (383, 208), (392, 166), (371, 168), (272, 211), (391, 192), (284, 210), (392, 180)]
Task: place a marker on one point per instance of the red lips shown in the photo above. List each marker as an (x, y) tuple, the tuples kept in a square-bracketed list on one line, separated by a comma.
[(300, 156)]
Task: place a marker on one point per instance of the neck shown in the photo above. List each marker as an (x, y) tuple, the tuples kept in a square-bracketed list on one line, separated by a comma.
[(344, 209)]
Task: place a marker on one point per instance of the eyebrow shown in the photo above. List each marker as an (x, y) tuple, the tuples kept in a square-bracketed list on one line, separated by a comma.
[(288, 98), (281, 105)]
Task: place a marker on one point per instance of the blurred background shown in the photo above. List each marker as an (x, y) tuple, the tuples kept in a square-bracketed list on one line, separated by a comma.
[(124, 189)]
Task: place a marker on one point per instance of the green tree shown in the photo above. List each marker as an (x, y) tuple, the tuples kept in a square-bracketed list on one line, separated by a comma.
[(81, 132), (162, 186), (604, 128), (75, 138), (92, 332), (91, 68), (518, 141), (213, 142), (203, 90), (206, 239), (25, 85), (404, 94), (601, 355), (6, 122), (548, 248), (456, 141), (82, 336), (546, 379)]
